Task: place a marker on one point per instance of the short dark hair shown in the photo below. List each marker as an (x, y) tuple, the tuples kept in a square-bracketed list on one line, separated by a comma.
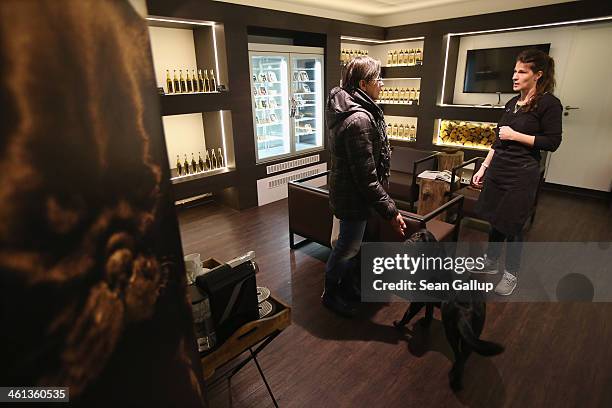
[(359, 68)]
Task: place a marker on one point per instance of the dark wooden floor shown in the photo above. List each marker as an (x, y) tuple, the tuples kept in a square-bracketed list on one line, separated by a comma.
[(557, 354)]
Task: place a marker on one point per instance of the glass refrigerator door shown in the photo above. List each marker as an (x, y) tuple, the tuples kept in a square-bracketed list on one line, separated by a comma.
[(270, 95), (307, 101)]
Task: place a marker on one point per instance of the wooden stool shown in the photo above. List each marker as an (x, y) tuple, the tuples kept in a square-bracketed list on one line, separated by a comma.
[(449, 159), (432, 194)]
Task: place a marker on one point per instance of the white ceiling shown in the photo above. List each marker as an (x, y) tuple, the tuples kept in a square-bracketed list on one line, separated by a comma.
[(388, 13)]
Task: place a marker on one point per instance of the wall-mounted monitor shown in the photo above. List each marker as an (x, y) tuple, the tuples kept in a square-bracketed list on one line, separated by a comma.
[(490, 70)]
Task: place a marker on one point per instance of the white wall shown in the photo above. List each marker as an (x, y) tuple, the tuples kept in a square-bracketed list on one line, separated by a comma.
[(560, 40), (172, 48), (184, 135), (140, 6), (584, 158)]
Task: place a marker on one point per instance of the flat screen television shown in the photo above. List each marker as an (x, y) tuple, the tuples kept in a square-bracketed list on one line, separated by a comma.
[(489, 70)]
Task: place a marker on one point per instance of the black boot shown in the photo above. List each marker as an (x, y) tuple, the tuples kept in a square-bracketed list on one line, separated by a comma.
[(334, 300), (351, 289)]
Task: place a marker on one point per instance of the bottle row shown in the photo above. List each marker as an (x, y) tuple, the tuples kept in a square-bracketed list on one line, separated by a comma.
[(401, 131), (408, 96), (210, 162), (410, 57), (192, 82), (348, 54)]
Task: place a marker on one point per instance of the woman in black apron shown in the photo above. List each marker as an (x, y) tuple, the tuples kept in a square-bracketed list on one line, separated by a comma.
[(511, 171)]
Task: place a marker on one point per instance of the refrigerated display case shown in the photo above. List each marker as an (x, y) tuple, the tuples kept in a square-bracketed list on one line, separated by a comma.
[(287, 95)]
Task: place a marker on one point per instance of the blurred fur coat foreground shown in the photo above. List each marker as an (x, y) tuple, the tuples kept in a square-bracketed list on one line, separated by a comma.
[(92, 294)]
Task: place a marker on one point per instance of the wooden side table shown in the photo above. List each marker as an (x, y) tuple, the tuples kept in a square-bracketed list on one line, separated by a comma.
[(258, 333)]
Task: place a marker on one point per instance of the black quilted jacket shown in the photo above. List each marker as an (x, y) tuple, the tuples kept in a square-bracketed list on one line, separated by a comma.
[(359, 156)]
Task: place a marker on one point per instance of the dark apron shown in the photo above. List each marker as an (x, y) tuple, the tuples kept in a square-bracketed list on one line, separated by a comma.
[(508, 195)]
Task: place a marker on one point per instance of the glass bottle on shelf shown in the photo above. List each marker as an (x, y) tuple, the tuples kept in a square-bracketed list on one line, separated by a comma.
[(221, 159), (169, 86), (394, 132), (410, 57), (195, 84), (419, 56), (200, 162), (201, 81), (389, 57), (400, 130), (179, 166), (417, 96), (412, 132), (389, 129), (182, 80), (194, 165), (215, 163), (411, 96), (396, 95), (208, 81), (400, 58), (207, 161), (177, 83), (189, 83), (213, 81), (186, 165)]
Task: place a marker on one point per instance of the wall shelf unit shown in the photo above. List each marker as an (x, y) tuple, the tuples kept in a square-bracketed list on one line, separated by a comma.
[(178, 104), (395, 109), (402, 72), (196, 124), (399, 77)]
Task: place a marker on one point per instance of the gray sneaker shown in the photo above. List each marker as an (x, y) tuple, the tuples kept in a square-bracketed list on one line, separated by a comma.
[(506, 285), (490, 267)]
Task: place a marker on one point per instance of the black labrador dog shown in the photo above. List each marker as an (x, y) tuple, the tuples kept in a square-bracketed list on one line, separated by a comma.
[(463, 322)]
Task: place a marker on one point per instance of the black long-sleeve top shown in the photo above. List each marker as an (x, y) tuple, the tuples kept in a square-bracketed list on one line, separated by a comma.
[(543, 122)]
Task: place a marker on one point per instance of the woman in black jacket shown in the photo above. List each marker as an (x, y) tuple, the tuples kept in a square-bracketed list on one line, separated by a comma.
[(511, 171), (360, 161)]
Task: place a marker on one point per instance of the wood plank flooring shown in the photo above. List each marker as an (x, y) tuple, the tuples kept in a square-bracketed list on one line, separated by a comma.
[(557, 355)]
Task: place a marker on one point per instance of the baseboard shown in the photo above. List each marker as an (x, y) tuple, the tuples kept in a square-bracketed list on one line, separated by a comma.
[(583, 192), (193, 201)]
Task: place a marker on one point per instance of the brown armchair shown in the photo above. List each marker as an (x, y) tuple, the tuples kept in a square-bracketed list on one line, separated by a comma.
[(406, 164), (311, 218), (469, 193)]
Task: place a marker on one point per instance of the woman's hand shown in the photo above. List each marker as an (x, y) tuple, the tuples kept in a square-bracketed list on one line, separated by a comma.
[(506, 133), (479, 176)]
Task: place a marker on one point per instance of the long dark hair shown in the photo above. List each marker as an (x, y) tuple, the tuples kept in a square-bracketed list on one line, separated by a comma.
[(539, 61)]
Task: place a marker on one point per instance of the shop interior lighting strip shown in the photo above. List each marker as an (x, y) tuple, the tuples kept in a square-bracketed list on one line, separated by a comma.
[(370, 40)]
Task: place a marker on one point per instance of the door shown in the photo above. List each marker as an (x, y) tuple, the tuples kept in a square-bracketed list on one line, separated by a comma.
[(270, 98), (584, 158), (307, 101)]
